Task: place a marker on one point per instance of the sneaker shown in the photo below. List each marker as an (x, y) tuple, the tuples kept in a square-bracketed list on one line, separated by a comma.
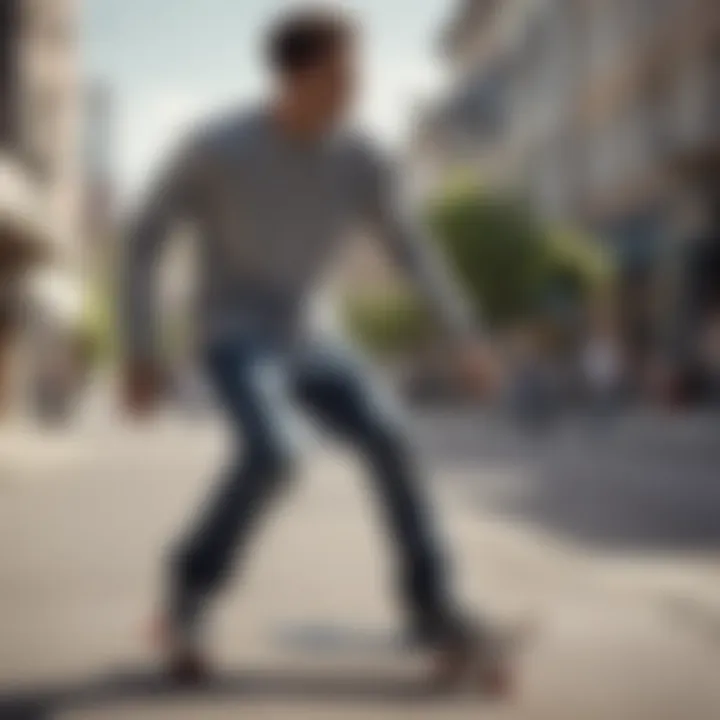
[(184, 660)]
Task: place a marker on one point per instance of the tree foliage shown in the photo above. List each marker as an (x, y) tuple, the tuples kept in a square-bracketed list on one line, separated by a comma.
[(512, 267)]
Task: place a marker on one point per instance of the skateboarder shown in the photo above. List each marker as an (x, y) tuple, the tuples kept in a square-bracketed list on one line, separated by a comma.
[(273, 193)]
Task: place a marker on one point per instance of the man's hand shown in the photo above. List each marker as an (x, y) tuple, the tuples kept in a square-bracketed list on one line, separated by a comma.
[(141, 388), (478, 369)]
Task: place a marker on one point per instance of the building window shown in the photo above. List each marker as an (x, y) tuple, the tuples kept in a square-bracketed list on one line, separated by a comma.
[(44, 113), (48, 23)]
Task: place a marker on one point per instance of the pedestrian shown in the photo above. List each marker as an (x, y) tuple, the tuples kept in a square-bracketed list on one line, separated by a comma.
[(602, 365), (273, 192)]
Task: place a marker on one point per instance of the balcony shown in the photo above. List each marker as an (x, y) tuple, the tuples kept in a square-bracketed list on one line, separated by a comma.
[(470, 22), (651, 50), (25, 240)]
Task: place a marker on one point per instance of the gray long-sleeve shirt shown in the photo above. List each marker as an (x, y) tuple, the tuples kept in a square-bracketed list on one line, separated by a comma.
[(271, 212)]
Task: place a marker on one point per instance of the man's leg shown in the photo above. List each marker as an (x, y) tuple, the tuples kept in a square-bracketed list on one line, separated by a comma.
[(251, 385), (334, 386)]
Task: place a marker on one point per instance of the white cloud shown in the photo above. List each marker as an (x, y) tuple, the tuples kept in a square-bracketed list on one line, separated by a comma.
[(151, 125), (393, 93), (399, 75), (155, 122)]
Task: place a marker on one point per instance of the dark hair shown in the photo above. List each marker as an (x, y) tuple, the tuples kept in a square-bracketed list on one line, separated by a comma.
[(303, 38)]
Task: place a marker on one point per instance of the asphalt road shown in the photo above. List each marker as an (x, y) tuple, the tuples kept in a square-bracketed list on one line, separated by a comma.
[(642, 482), (85, 521)]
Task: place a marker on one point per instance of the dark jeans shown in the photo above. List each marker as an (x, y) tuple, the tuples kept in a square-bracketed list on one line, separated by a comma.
[(261, 388)]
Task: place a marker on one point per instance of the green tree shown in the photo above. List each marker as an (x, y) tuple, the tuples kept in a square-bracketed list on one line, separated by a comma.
[(513, 269), (391, 323), (497, 250)]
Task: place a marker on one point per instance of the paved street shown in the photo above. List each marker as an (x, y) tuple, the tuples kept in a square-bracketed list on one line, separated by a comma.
[(609, 542), (645, 482)]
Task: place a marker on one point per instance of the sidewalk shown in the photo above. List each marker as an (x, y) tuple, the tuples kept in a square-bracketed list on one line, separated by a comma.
[(309, 632), (26, 449), (682, 588)]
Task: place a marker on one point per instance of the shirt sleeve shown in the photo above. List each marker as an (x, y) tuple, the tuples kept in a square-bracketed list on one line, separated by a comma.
[(169, 200), (397, 224)]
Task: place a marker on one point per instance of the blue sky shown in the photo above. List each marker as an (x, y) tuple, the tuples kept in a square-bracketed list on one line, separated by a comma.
[(171, 61)]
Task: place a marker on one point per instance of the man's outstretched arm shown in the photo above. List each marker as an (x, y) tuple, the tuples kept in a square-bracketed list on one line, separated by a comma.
[(168, 201), (398, 225)]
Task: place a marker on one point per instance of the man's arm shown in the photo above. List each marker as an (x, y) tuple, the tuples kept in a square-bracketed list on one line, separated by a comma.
[(402, 231), (168, 201), (396, 223)]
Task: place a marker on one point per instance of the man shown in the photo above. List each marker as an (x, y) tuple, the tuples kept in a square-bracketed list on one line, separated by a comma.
[(273, 194)]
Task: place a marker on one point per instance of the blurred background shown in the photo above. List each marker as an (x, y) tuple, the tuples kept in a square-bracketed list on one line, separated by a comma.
[(566, 155)]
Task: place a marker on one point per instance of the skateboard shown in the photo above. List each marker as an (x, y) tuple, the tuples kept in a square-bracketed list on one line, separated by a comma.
[(486, 665)]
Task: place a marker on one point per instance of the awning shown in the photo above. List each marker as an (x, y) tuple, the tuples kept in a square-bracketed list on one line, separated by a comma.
[(25, 237), (59, 293)]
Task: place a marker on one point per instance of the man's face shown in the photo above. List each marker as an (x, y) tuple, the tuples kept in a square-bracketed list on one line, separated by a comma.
[(327, 90)]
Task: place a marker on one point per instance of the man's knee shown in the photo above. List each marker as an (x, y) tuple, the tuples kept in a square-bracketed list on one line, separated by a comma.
[(258, 477), (389, 439), (270, 461), (192, 571), (261, 466), (384, 424)]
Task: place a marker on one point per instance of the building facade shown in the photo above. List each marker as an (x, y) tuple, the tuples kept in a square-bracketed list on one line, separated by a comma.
[(100, 212), (603, 113), (40, 192)]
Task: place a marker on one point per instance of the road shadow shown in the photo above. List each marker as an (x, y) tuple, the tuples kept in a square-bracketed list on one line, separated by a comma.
[(148, 686), (322, 639), (614, 488)]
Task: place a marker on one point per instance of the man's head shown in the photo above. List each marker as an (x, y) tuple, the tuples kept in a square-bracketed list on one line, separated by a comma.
[(311, 53)]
